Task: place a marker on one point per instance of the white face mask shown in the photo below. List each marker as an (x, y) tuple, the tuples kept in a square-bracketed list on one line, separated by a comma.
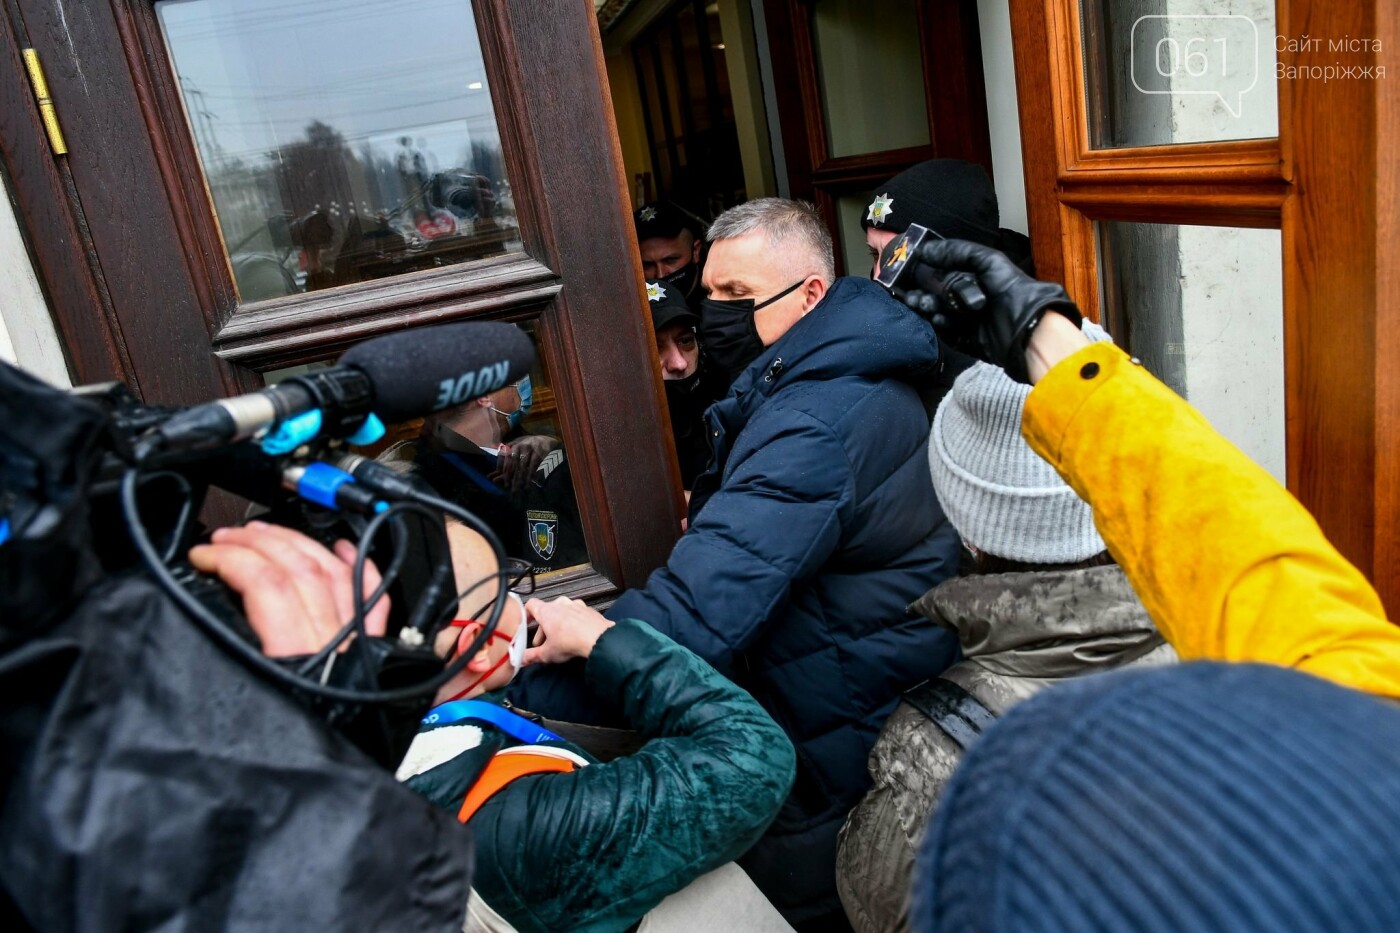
[(521, 639)]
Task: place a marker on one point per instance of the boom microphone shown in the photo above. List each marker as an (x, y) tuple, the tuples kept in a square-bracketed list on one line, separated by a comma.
[(397, 377)]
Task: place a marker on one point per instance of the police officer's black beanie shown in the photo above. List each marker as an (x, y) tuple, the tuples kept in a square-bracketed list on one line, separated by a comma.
[(952, 197), (1193, 797)]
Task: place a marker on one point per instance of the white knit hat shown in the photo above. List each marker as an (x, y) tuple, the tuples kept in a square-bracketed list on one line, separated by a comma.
[(998, 493)]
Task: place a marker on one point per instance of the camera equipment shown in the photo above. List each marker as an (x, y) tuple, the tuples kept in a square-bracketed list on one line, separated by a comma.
[(951, 301), (143, 765), (395, 377), (149, 468)]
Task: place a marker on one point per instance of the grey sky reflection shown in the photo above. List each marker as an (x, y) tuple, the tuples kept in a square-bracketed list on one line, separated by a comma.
[(341, 141), (256, 73)]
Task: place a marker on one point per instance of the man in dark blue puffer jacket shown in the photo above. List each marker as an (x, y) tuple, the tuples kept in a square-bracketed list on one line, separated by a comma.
[(813, 529)]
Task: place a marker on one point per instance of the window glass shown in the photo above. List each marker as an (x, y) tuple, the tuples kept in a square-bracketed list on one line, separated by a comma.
[(1202, 307), (465, 454), (1179, 71), (341, 142), (850, 210), (871, 75)]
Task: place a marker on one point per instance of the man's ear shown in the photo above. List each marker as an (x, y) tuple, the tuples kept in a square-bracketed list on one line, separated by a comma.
[(695, 250), (480, 662), (813, 291)]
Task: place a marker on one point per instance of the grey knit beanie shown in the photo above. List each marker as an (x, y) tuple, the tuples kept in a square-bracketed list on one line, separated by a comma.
[(998, 493)]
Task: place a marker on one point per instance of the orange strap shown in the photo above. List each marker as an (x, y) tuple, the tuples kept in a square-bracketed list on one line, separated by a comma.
[(503, 769)]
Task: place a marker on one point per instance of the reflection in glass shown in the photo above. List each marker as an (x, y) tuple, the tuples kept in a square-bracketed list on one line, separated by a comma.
[(1202, 307), (341, 142), (502, 458), (1179, 71), (871, 75)]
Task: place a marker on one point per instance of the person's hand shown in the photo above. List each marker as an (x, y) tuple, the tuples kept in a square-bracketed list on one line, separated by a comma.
[(1054, 338), (295, 593), (1015, 301), (514, 470), (569, 629)]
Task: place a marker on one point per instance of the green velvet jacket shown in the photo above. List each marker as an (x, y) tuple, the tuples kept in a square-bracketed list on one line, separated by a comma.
[(596, 848)]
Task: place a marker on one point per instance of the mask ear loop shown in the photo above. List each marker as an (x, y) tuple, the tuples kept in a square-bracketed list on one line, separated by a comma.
[(513, 655), (781, 295)]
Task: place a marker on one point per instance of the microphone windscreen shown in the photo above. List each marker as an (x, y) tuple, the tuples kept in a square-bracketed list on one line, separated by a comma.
[(417, 372)]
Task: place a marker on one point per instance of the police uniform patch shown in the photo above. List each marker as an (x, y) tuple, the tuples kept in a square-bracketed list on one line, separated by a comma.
[(880, 209), (550, 463), (542, 530), (648, 214), (655, 292)]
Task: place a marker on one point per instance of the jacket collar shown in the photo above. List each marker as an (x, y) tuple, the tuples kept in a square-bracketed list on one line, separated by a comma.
[(856, 330), (1045, 624)]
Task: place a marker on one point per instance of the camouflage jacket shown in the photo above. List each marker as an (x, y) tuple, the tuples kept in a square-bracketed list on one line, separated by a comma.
[(1019, 632)]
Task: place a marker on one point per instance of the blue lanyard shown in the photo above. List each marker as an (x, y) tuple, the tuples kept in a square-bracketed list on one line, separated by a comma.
[(472, 473), (512, 724)]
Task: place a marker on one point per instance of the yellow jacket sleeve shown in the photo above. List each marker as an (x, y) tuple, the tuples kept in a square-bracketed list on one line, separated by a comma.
[(1230, 566)]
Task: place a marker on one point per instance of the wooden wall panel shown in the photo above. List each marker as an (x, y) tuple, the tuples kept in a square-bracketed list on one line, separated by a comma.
[(1386, 565), (1341, 303)]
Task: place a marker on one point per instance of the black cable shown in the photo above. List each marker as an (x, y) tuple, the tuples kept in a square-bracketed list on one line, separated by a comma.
[(387, 580), (254, 659), (183, 519)]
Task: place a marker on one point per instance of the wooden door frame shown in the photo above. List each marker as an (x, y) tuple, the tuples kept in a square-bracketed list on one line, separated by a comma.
[(955, 97), (1330, 181), (123, 312)]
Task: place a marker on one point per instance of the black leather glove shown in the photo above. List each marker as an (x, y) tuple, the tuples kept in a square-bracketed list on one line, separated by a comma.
[(1015, 302)]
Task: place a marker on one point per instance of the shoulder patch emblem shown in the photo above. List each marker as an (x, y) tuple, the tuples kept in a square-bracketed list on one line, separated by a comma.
[(550, 463), (542, 528)]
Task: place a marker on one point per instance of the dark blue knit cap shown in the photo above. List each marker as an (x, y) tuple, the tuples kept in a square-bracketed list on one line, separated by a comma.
[(1198, 797)]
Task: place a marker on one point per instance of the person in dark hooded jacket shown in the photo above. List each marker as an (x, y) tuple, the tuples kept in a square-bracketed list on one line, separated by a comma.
[(811, 531)]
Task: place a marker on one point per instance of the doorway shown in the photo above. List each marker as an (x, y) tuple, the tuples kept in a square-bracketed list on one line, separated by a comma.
[(812, 99)]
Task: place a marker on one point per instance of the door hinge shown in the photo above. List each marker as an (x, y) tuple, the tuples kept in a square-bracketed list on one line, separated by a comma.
[(47, 111)]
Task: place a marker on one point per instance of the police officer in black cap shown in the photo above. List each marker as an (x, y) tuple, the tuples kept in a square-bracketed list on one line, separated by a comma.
[(956, 200), (953, 198), (670, 242), (691, 386)]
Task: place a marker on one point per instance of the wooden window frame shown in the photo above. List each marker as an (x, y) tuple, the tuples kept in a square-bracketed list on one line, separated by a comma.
[(955, 99), (613, 418), (1330, 181)]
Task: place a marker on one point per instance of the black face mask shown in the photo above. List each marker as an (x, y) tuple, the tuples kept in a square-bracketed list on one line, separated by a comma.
[(684, 278), (729, 333), (681, 398)]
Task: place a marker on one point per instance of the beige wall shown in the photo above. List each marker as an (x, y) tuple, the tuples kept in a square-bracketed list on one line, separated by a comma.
[(27, 335)]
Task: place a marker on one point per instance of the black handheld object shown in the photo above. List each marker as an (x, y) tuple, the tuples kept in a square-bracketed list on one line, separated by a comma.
[(946, 298), (993, 323), (397, 377)]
